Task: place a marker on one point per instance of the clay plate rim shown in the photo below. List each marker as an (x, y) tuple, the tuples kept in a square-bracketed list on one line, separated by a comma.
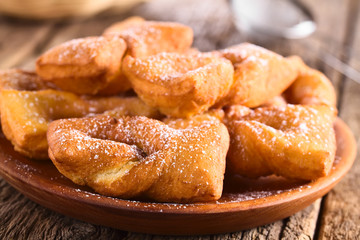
[(23, 175)]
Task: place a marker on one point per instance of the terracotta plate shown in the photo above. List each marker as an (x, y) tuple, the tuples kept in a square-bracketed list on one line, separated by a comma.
[(245, 203)]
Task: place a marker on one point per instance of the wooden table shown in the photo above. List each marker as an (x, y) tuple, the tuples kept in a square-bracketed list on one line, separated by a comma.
[(335, 216)]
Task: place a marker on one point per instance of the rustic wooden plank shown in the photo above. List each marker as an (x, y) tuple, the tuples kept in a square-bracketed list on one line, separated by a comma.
[(21, 218), (302, 225), (19, 38), (139, 236), (227, 236), (352, 20), (341, 208), (206, 237), (269, 231), (331, 18)]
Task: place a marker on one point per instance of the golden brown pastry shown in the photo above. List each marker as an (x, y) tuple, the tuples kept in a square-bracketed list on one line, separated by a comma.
[(90, 65), (295, 141), (25, 115), (146, 38), (212, 115), (138, 157), (275, 101), (18, 79), (179, 85), (132, 106), (259, 74), (21, 80), (126, 24), (311, 87)]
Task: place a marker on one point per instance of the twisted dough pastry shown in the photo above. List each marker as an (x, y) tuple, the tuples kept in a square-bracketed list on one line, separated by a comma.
[(146, 38), (90, 65), (300, 137), (295, 141), (18, 79), (259, 74), (179, 85), (141, 157), (311, 87), (21, 80), (25, 115)]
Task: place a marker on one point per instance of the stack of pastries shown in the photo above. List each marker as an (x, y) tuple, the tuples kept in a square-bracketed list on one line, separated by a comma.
[(138, 113)]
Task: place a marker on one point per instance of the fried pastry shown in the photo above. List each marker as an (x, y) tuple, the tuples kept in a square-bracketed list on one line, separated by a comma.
[(295, 141), (179, 85), (18, 79), (212, 115), (311, 87), (21, 80), (275, 101), (132, 106), (259, 74), (138, 157), (26, 114), (118, 27), (146, 38), (90, 65)]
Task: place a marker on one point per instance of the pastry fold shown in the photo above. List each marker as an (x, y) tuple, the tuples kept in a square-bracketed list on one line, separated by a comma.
[(138, 157), (180, 85), (259, 75), (311, 87), (18, 79), (25, 115), (146, 38), (90, 65), (294, 141)]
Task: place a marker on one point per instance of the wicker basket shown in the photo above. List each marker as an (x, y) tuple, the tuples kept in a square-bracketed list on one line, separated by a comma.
[(46, 9)]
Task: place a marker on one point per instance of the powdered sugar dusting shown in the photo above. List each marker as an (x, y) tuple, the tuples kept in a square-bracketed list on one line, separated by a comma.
[(80, 48), (300, 136), (167, 66), (20, 80), (150, 38), (246, 52), (161, 154)]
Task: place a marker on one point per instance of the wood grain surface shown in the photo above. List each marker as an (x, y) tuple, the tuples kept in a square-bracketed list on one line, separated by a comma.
[(336, 216)]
